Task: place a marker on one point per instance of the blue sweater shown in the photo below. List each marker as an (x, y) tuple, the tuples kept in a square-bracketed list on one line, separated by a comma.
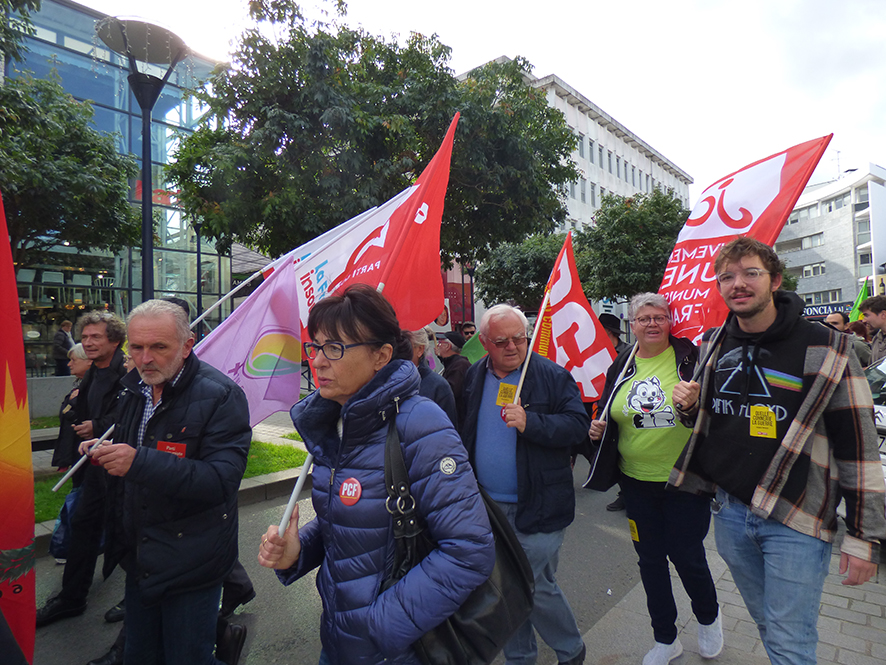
[(353, 544)]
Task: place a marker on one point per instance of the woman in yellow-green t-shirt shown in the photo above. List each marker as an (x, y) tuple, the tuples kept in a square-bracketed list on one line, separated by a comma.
[(642, 434)]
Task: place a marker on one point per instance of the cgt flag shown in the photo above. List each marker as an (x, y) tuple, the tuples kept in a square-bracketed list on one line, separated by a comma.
[(753, 201), (569, 332), (395, 246), (17, 602)]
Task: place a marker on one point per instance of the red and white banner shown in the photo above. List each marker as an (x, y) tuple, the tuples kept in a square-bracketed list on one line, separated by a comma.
[(753, 201), (569, 332), (395, 246)]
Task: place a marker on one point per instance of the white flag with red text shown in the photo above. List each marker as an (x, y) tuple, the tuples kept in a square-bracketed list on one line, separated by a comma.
[(569, 332), (396, 245), (754, 201)]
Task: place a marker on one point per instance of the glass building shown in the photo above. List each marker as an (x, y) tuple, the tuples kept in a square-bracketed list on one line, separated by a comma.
[(70, 282)]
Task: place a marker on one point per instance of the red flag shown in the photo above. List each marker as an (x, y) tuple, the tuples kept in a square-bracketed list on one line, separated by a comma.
[(754, 201), (17, 601), (569, 332), (396, 245)]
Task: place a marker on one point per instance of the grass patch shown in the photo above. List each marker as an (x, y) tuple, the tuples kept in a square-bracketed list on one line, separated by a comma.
[(263, 458), (292, 436), (46, 502), (44, 422), (269, 457)]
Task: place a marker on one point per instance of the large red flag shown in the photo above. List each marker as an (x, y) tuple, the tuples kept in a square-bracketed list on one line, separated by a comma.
[(17, 601), (395, 246), (753, 201), (569, 332)]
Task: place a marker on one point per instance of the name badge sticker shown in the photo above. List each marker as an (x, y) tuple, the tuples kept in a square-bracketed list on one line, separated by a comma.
[(506, 394), (177, 449), (762, 422)]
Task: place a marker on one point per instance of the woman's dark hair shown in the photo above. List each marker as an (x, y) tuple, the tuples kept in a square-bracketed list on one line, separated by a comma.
[(860, 329), (361, 314)]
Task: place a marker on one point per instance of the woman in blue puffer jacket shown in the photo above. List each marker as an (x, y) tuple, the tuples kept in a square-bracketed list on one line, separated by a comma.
[(365, 378)]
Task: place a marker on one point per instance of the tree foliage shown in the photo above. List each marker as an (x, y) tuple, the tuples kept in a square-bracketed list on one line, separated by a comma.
[(627, 249), (518, 272), (15, 22), (61, 179), (311, 128)]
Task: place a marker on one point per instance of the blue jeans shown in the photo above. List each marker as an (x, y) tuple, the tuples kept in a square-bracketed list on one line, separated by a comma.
[(551, 615), (780, 574), (671, 525), (180, 630)]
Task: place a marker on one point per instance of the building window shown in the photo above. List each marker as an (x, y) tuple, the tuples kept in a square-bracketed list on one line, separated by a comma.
[(583, 186), (865, 259), (864, 232), (617, 167), (593, 195), (581, 145), (591, 151), (647, 183), (572, 189), (822, 297), (601, 156), (803, 214), (813, 270), (634, 176), (609, 153), (806, 242), (834, 204)]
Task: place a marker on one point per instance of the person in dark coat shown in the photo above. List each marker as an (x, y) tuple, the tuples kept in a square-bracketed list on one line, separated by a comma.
[(65, 453), (455, 368), (520, 448), (101, 335), (62, 343), (366, 378), (433, 386), (180, 450)]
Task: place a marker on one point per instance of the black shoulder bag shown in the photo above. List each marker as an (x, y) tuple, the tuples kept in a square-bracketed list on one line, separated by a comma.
[(490, 616)]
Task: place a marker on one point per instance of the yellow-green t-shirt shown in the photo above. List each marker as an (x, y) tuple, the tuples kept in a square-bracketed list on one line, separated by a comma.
[(650, 436)]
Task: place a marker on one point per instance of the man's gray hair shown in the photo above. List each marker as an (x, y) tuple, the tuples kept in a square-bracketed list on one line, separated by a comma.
[(154, 308), (642, 300), (499, 312), (77, 352), (115, 328)]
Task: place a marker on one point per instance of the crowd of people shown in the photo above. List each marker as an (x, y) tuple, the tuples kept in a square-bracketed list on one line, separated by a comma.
[(767, 425)]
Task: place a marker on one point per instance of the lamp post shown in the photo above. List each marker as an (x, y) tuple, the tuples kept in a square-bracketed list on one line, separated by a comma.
[(139, 41), (199, 330)]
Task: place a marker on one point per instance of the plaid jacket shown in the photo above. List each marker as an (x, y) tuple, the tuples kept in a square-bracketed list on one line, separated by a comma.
[(835, 428)]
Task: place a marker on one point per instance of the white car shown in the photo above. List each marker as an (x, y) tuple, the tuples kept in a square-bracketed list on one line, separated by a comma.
[(876, 375)]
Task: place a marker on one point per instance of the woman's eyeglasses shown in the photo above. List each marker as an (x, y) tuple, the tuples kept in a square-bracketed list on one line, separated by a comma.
[(644, 321), (332, 350)]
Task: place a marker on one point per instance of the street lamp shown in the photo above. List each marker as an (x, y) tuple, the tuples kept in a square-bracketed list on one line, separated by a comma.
[(139, 41)]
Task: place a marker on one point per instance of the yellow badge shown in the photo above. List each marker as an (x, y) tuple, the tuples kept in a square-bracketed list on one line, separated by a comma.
[(634, 535), (762, 422), (506, 393)]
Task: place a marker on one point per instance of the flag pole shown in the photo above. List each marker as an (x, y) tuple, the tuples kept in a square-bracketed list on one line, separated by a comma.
[(538, 320), (73, 469), (293, 498)]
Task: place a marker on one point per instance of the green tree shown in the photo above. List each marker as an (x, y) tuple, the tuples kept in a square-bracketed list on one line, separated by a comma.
[(311, 128), (627, 249), (15, 22), (518, 271), (62, 180)]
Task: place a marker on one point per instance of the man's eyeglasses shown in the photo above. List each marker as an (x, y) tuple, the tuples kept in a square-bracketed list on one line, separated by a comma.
[(518, 340), (644, 321), (749, 276), (332, 350)]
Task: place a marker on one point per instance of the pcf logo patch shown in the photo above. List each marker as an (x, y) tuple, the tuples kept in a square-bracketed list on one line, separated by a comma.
[(350, 491)]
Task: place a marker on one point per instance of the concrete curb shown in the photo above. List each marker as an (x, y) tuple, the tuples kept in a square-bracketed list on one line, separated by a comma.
[(252, 490)]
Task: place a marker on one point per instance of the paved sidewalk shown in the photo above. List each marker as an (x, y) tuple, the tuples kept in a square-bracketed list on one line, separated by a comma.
[(851, 624)]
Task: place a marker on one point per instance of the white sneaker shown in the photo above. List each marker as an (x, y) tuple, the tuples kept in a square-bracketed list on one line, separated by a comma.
[(710, 639), (662, 654)]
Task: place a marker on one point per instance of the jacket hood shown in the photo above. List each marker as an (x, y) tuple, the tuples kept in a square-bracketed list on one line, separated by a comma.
[(789, 307), (365, 412)]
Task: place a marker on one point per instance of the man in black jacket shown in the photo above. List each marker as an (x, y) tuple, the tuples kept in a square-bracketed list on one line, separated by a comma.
[(101, 334), (183, 438), (520, 449)]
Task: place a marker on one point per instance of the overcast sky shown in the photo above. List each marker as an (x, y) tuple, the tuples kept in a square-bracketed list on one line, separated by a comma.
[(712, 85)]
